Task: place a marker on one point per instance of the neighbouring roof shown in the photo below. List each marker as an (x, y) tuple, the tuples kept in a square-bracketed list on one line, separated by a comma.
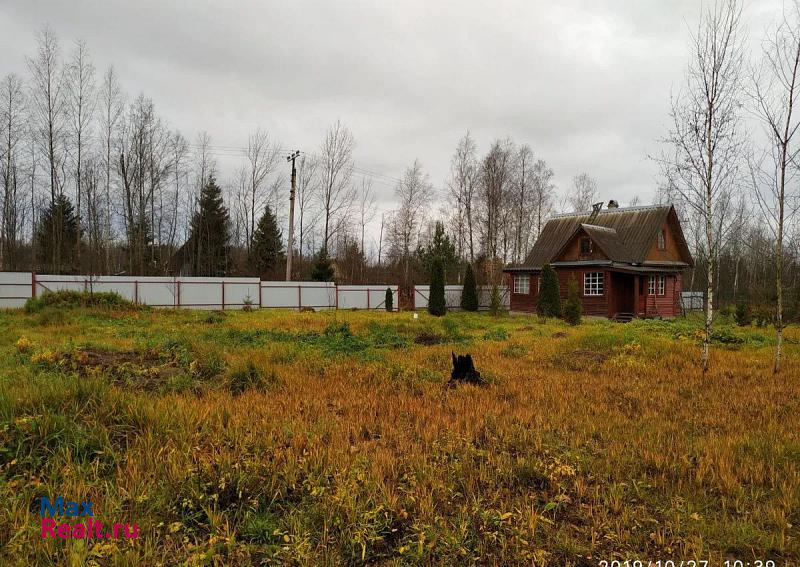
[(625, 234)]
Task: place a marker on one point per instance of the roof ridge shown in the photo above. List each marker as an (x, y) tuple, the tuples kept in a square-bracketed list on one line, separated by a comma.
[(598, 227), (612, 210)]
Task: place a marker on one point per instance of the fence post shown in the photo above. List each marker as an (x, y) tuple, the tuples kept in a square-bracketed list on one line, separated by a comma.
[(367, 298), (33, 284), (260, 303), (299, 297), (136, 291), (223, 295), (178, 292)]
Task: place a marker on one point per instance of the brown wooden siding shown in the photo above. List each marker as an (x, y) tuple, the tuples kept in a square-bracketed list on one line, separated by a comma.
[(671, 253), (520, 301), (573, 250)]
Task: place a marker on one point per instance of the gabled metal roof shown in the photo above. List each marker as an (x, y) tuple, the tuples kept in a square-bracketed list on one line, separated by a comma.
[(628, 236)]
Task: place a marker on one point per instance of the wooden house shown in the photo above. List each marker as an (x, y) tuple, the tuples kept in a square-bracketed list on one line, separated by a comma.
[(627, 262)]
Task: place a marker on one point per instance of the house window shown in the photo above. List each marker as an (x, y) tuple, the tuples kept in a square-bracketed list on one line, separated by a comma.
[(662, 239), (586, 246), (656, 284), (522, 284), (593, 283)]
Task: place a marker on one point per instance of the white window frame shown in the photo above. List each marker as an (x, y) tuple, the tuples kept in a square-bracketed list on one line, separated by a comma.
[(593, 284), (662, 285), (651, 285), (662, 239), (522, 284)]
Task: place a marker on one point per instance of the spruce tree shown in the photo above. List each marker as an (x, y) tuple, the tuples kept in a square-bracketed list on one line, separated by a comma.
[(389, 299), (469, 295), (572, 306), (440, 249), (209, 237), (266, 249), (549, 304), (436, 302), (56, 234), (322, 271)]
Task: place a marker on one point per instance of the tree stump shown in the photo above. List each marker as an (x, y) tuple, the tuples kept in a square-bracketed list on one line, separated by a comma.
[(464, 372)]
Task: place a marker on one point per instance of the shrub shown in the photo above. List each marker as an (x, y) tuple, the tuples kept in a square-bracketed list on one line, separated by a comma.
[(572, 306), (436, 303), (469, 295), (742, 315), (248, 377), (389, 301), (322, 271), (549, 303), (69, 299), (495, 303)]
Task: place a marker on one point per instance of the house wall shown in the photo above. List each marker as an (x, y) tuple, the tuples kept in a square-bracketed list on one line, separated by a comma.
[(667, 305), (523, 302), (592, 304), (572, 251), (671, 253)]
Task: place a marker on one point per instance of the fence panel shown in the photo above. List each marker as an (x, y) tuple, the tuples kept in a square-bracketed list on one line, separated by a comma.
[(316, 295), (365, 296), (15, 289), (452, 296)]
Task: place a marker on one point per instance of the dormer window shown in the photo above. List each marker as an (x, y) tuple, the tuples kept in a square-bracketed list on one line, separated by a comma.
[(662, 239), (586, 246)]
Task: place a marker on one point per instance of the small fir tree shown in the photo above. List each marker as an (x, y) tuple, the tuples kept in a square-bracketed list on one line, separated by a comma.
[(389, 301), (266, 249), (209, 239), (469, 295), (56, 234), (436, 303), (322, 270), (572, 306), (495, 302), (549, 303)]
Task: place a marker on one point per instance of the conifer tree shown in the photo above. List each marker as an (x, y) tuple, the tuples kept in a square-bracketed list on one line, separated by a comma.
[(389, 299), (266, 247), (469, 295), (572, 306), (209, 238), (57, 255), (437, 304), (549, 304), (322, 270)]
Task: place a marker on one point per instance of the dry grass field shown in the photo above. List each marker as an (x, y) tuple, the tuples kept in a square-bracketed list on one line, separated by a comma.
[(330, 438)]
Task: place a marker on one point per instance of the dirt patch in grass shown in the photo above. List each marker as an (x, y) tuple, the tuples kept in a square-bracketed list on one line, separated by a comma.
[(427, 338), (146, 370), (580, 359)]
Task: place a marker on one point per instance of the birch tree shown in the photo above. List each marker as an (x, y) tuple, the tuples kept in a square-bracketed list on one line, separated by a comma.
[(775, 91), (12, 130), (336, 169), (111, 106), (262, 159), (703, 164)]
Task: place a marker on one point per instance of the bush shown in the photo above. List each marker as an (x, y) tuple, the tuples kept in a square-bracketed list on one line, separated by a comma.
[(70, 299), (436, 303), (495, 303), (389, 301), (549, 303), (572, 306), (469, 295), (742, 315)]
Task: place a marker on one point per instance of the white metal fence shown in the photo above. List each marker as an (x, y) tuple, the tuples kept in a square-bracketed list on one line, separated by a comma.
[(452, 296), (200, 293)]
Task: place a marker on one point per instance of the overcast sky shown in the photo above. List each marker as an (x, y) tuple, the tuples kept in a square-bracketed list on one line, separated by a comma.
[(585, 83)]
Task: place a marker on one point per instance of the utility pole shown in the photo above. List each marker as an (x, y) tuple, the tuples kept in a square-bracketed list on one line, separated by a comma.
[(291, 157)]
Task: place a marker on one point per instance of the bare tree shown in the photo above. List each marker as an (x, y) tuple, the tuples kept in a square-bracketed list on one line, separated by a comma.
[(47, 109), (583, 192), (111, 108), (464, 174), (413, 192), (494, 185), (775, 91), (543, 191), (262, 158), (366, 212), (703, 166), (307, 189), (12, 128), (336, 169), (81, 105)]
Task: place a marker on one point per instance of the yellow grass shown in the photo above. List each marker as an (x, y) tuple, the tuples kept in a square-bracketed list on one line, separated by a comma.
[(344, 447)]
